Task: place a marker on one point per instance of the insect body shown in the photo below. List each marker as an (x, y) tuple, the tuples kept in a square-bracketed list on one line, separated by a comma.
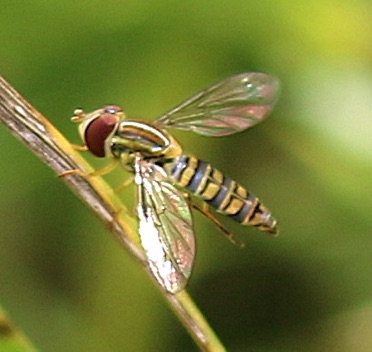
[(162, 171), (224, 194)]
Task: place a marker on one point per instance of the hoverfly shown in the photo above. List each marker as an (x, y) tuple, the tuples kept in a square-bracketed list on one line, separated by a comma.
[(162, 173)]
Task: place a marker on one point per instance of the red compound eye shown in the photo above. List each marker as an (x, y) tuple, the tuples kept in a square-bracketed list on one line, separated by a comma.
[(98, 130)]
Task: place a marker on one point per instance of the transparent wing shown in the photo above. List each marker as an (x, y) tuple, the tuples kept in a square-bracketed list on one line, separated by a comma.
[(227, 107), (165, 227)]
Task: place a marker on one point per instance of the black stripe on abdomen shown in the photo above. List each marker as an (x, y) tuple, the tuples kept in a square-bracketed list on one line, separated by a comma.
[(222, 193)]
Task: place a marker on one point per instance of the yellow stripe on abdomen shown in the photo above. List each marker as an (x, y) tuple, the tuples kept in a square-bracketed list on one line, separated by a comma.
[(222, 193)]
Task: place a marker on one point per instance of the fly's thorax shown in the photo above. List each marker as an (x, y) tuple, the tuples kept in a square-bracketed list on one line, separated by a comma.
[(133, 138)]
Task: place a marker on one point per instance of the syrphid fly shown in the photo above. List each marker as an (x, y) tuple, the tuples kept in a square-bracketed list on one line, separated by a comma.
[(163, 173)]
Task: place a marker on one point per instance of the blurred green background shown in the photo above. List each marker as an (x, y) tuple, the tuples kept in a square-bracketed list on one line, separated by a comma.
[(71, 287)]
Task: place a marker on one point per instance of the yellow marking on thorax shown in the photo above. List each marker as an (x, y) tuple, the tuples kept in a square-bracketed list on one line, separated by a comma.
[(143, 137)]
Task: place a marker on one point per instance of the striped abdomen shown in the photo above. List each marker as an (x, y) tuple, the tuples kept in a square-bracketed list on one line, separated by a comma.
[(224, 194)]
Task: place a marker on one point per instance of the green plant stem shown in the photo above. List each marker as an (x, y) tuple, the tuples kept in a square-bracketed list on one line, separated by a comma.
[(36, 132)]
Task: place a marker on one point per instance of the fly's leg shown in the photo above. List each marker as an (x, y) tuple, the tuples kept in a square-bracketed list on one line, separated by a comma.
[(110, 225), (80, 148), (106, 169), (124, 185), (204, 209), (118, 189), (100, 172)]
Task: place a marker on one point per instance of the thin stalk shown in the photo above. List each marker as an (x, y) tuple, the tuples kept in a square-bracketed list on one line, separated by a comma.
[(39, 135)]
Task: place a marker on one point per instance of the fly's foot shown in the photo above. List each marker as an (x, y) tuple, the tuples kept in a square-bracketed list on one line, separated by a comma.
[(73, 172), (80, 148)]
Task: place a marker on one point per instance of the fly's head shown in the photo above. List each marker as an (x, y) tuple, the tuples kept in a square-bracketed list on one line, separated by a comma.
[(97, 127)]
